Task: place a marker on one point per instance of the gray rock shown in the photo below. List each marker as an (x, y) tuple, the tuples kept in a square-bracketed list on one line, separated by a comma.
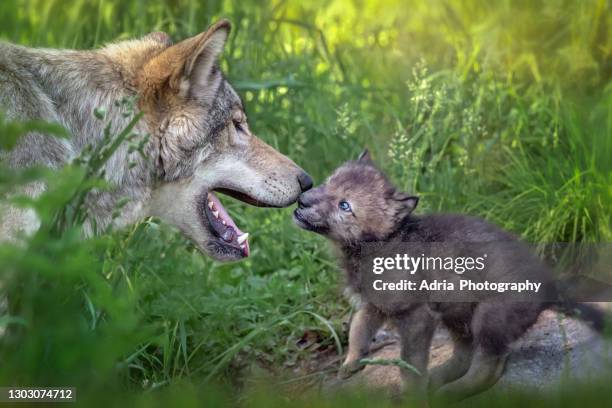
[(556, 349)]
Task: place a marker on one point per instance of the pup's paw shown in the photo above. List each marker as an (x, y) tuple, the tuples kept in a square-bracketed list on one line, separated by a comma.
[(349, 368)]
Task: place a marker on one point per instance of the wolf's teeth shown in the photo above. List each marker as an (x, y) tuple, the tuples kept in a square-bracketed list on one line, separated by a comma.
[(216, 214), (243, 238), (243, 246), (210, 205)]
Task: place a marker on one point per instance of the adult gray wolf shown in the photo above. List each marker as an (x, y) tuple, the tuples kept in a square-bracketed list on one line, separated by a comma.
[(358, 205), (200, 142)]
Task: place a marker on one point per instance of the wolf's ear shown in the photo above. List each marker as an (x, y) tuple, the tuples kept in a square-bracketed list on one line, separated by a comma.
[(205, 49), (364, 156), (407, 202), (160, 37), (187, 66)]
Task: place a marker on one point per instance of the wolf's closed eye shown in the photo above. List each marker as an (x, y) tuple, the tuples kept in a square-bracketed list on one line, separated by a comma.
[(238, 125), (239, 121)]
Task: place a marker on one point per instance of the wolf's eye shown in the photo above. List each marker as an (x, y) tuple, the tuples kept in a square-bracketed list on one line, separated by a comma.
[(344, 206), (238, 125)]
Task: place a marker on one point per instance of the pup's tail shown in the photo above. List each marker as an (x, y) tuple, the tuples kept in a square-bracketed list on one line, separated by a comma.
[(589, 313), (571, 289)]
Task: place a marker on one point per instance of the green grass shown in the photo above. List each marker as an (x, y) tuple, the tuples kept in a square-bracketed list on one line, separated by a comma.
[(500, 109)]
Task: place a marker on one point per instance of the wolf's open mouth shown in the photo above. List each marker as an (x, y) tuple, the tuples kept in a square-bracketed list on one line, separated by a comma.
[(222, 225)]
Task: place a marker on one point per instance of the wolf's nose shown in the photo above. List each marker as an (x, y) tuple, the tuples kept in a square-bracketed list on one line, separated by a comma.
[(305, 181)]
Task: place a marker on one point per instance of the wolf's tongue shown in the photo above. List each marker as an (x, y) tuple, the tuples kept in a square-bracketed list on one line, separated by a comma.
[(228, 234), (224, 226)]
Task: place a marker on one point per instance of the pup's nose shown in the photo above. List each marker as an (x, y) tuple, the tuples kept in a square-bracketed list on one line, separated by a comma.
[(308, 198), (305, 181)]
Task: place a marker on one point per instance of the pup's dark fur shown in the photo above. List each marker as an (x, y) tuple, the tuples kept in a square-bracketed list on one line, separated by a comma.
[(482, 331)]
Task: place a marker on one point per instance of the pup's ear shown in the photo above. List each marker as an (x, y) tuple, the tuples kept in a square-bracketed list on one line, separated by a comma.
[(187, 67), (407, 202), (364, 156)]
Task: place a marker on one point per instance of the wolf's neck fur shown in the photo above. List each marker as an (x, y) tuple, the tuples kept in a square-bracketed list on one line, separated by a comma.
[(76, 83), (68, 86)]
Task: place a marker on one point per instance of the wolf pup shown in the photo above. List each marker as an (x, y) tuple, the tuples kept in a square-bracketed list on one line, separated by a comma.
[(200, 141), (358, 204)]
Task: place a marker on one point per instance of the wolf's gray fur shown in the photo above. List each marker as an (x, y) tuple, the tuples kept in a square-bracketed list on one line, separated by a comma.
[(200, 141)]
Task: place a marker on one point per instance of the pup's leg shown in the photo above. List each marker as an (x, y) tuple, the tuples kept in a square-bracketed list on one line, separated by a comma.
[(494, 326), (454, 367), (484, 371), (364, 325), (416, 331)]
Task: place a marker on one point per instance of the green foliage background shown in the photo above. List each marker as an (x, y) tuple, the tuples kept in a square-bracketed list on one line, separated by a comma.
[(501, 109)]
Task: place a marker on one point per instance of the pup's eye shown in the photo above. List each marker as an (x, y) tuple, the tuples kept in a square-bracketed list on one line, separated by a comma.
[(344, 206)]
